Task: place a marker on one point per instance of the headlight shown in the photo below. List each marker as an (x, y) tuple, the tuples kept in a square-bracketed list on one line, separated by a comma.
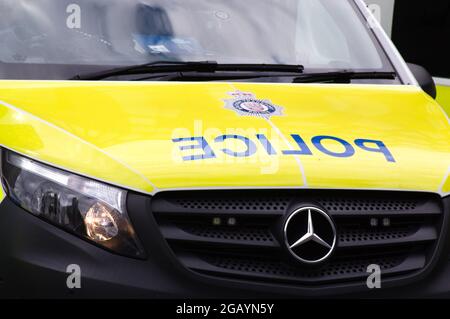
[(87, 208)]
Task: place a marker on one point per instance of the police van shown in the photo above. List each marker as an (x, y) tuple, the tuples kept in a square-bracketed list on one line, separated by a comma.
[(217, 148)]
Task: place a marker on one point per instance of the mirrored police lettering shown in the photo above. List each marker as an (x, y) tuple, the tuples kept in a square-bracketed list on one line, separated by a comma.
[(203, 149)]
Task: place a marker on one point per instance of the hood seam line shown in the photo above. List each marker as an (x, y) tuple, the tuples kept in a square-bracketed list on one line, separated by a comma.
[(17, 109)]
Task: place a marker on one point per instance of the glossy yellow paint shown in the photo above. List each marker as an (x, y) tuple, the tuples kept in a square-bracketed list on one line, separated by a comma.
[(37, 139), (446, 187), (443, 97), (122, 133)]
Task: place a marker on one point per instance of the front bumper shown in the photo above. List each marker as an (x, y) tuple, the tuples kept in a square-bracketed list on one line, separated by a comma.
[(34, 256)]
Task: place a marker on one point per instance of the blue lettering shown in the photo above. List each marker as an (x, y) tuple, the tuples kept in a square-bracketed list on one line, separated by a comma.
[(200, 143), (304, 149), (251, 147), (266, 144), (349, 150), (380, 147)]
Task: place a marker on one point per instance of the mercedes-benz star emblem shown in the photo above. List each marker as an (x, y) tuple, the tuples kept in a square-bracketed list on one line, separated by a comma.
[(310, 235)]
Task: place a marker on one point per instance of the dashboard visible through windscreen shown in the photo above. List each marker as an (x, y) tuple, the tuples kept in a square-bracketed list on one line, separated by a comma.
[(54, 39)]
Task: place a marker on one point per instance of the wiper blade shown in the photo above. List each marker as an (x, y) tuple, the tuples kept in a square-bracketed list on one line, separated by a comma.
[(216, 76), (279, 68), (200, 66), (156, 66), (337, 76), (333, 76)]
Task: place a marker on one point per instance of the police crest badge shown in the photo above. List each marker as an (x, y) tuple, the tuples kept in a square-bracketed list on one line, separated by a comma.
[(247, 104)]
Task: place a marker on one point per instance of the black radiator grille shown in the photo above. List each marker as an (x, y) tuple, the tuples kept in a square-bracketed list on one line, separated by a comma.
[(283, 272), (237, 234)]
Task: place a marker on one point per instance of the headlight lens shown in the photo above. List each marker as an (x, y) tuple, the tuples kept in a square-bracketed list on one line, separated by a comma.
[(87, 208)]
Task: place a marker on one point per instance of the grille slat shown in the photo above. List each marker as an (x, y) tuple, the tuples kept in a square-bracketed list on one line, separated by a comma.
[(360, 238), (197, 204), (281, 271), (237, 237), (396, 230)]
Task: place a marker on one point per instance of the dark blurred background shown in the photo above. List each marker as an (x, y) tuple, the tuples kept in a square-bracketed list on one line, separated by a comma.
[(421, 31)]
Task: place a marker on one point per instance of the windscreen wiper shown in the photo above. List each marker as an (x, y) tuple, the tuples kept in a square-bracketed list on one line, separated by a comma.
[(200, 66), (344, 76)]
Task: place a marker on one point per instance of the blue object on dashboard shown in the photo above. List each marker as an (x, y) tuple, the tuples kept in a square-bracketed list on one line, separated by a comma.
[(167, 45)]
